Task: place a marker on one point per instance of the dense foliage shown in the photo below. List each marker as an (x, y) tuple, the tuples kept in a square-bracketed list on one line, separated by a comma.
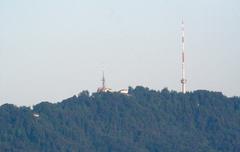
[(143, 121)]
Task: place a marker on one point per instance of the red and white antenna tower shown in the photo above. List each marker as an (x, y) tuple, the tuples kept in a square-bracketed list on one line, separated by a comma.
[(183, 80)]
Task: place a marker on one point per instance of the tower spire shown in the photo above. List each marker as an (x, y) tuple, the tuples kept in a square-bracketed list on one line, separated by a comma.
[(183, 80), (103, 80), (104, 88)]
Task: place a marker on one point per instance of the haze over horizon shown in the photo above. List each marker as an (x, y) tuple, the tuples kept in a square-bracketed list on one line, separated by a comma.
[(51, 50)]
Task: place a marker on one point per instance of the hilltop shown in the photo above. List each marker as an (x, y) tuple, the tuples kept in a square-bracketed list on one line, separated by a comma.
[(143, 121)]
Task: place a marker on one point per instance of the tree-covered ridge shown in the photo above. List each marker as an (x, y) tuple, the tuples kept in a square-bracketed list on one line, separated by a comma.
[(143, 121)]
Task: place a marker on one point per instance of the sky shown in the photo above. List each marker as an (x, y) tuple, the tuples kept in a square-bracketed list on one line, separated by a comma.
[(53, 49)]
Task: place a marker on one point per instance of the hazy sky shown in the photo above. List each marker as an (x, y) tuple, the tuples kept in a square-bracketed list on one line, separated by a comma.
[(53, 49)]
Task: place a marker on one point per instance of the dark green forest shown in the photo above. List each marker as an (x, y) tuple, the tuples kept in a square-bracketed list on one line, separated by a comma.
[(143, 121)]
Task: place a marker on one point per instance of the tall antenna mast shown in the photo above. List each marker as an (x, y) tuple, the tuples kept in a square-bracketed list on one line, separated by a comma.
[(183, 80), (103, 80)]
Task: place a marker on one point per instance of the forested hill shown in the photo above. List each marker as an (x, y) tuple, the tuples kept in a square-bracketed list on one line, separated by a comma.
[(143, 121)]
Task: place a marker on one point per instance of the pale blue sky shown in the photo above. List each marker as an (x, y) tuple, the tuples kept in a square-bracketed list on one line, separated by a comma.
[(53, 49)]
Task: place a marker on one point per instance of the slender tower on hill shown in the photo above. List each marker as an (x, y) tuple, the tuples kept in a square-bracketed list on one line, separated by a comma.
[(103, 88), (183, 80), (103, 80)]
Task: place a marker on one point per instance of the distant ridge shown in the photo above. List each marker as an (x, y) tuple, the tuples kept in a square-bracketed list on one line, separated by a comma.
[(144, 121)]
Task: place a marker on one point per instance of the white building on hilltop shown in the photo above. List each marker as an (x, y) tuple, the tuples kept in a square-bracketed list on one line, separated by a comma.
[(106, 89), (123, 91)]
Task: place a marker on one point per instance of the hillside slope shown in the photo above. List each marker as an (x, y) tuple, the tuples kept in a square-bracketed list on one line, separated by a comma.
[(144, 121)]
